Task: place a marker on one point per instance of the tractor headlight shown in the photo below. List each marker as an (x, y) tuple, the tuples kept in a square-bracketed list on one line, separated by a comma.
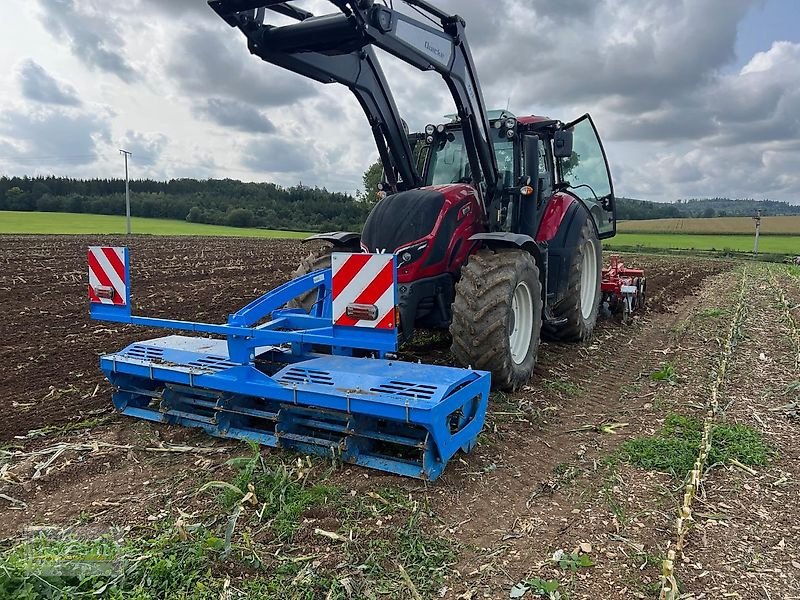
[(409, 254), (440, 128), (430, 129), (510, 133), (511, 123)]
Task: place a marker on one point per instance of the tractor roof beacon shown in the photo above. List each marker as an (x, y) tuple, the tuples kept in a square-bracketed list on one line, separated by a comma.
[(495, 219)]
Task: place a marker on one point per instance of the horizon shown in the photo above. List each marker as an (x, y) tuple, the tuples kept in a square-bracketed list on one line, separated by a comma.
[(301, 185)]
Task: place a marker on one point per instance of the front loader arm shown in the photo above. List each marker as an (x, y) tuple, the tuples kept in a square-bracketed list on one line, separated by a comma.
[(359, 70), (447, 52), (362, 74), (307, 46)]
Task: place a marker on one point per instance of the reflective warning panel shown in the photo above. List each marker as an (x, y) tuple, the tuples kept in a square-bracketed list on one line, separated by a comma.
[(363, 290), (107, 277)]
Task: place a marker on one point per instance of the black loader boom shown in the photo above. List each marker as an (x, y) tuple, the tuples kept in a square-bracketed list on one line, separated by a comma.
[(337, 48)]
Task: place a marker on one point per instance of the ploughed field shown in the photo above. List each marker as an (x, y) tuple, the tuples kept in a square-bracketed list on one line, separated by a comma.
[(572, 491)]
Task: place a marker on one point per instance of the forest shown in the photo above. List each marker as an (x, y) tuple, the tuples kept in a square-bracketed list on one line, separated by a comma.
[(213, 201)]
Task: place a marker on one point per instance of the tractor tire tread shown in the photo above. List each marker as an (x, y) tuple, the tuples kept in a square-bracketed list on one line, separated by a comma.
[(481, 312), (319, 259)]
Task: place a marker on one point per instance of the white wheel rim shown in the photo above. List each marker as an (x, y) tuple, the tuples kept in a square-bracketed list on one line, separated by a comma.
[(589, 280), (519, 338)]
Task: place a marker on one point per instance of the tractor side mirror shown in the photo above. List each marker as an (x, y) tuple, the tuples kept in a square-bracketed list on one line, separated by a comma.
[(562, 143)]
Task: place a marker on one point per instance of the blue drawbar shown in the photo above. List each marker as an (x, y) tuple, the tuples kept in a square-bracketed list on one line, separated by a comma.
[(290, 379)]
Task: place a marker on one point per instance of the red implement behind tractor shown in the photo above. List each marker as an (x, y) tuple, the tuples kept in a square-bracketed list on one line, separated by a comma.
[(624, 289)]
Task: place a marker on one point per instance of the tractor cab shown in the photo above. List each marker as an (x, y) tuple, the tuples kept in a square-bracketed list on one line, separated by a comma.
[(577, 165), (447, 157)]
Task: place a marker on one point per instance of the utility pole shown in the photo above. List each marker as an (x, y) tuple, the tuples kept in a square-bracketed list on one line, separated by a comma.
[(126, 154), (757, 219)]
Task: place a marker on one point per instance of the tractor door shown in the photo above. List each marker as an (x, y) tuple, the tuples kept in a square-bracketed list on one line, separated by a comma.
[(586, 175)]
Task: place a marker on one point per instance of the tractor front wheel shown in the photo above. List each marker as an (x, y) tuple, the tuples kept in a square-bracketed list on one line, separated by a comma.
[(581, 303), (321, 259), (497, 316)]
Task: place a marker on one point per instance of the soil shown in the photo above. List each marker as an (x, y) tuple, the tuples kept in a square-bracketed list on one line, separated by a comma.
[(539, 480), (50, 346)]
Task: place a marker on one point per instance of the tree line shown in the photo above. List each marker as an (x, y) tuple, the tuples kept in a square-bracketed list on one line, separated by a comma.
[(704, 208), (214, 201), (237, 204)]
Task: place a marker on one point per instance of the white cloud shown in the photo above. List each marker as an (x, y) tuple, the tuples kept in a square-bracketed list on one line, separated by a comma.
[(677, 119), (38, 85), (92, 32), (145, 148), (50, 137)]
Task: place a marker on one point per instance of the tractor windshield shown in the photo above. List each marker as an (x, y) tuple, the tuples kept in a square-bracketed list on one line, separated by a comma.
[(450, 164)]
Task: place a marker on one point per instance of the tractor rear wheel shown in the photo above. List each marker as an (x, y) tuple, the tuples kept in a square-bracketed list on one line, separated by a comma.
[(320, 259), (497, 316), (581, 303)]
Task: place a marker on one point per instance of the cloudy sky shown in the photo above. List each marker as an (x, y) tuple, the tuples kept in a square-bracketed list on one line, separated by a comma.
[(694, 98)]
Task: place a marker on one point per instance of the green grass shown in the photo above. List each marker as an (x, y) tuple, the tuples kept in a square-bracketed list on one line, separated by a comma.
[(52, 430), (563, 386), (71, 223), (712, 313), (386, 548), (283, 494), (137, 568), (666, 372), (675, 447), (776, 244)]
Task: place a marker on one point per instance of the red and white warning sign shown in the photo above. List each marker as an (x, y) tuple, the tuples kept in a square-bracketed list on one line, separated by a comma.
[(363, 290), (107, 281)]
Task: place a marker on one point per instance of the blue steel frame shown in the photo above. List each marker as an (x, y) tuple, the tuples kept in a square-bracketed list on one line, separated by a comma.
[(287, 325), (401, 417)]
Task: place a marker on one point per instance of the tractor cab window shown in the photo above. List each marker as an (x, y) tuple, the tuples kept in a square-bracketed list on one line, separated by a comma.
[(585, 173), (545, 172), (449, 161)]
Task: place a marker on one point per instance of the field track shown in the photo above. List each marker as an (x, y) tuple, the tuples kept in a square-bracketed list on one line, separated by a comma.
[(783, 225)]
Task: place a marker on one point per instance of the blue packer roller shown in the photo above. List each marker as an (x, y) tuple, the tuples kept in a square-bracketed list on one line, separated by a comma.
[(322, 382)]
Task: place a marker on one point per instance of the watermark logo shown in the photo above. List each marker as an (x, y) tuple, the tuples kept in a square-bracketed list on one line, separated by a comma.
[(51, 554)]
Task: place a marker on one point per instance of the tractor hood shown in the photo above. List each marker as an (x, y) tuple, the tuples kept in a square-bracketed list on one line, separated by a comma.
[(402, 218), (423, 227)]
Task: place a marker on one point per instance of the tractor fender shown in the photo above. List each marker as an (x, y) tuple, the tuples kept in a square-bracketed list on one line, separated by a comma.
[(505, 239), (554, 213), (340, 239), (560, 246)]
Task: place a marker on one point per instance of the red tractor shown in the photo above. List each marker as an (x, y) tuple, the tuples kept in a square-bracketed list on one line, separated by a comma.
[(496, 220)]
